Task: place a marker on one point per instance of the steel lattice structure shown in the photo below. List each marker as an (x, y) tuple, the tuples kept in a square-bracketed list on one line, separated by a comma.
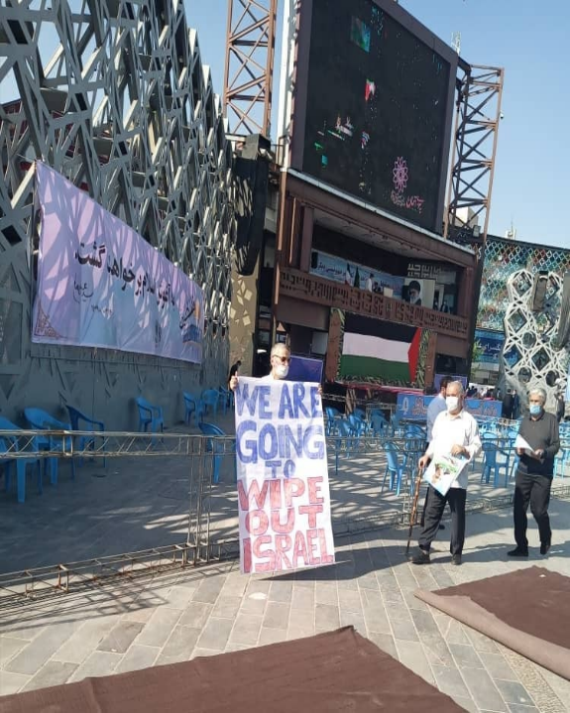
[(250, 52), (124, 109), (480, 92), (503, 258), (529, 356)]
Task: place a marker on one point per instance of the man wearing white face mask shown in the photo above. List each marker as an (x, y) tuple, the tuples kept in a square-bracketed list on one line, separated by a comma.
[(455, 432), (280, 360)]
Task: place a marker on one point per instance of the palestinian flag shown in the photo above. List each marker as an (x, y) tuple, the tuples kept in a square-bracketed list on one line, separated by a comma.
[(380, 350)]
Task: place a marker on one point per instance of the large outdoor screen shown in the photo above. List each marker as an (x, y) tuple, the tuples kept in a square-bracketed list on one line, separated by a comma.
[(378, 104)]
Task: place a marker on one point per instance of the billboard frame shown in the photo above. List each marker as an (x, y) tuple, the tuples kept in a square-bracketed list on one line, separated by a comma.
[(297, 27)]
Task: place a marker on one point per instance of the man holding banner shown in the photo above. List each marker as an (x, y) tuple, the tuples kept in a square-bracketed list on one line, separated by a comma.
[(282, 475)]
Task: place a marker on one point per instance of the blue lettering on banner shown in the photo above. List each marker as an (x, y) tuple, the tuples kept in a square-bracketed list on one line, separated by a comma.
[(277, 433), (272, 441), (245, 400)]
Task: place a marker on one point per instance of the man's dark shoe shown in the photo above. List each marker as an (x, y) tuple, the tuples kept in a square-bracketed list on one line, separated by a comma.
[(517, 552), (420, 558), (456, 560), (544, 547), (441, 526)]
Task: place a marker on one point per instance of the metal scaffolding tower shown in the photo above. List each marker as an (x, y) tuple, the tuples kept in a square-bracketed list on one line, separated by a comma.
[(480, 92), (250, 52)]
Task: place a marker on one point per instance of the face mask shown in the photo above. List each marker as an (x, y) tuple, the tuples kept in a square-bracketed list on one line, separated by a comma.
[(282, 370), (452, 403), (535, 409)]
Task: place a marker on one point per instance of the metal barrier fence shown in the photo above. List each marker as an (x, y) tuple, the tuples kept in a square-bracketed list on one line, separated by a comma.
[(205, 489)]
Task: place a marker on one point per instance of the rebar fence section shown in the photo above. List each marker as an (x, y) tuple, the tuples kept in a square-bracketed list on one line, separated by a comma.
[(372, 481)]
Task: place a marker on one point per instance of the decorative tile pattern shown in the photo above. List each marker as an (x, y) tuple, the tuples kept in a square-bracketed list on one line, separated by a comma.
[(123, 108)]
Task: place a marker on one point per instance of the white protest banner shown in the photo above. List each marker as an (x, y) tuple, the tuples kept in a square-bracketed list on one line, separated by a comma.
[(100, 284), (282, 476)]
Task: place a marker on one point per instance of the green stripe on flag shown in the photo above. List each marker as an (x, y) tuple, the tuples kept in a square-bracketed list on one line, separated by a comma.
[(374, 368)]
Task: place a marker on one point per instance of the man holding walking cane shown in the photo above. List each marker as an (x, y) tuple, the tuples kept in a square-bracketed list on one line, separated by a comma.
[(455, 436)]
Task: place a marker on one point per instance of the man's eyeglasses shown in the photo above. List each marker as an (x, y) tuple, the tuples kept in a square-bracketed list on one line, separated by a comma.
[(283, 359)]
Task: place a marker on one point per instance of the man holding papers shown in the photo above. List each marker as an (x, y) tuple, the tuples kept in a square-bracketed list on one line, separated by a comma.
[(455, 442), (537, 444)]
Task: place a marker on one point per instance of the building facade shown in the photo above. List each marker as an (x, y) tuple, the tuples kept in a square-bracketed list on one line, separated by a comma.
[(124, 109), (519, 315)]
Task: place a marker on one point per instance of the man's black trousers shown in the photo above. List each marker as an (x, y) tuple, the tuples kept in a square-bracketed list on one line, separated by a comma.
[(435, 506), (533, 490)]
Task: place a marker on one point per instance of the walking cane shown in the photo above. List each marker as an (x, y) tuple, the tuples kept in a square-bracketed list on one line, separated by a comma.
[(414, 508)]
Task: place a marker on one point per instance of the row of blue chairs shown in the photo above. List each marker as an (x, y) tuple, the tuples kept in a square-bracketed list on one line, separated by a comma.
[(351, 428), (151, 418), (39, 420)]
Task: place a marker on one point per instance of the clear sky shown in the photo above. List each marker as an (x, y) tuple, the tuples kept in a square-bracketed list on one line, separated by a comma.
[(531, 41), (532, 177)]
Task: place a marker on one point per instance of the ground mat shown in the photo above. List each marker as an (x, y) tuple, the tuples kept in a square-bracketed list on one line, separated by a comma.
[(528, 611), (337, 671)]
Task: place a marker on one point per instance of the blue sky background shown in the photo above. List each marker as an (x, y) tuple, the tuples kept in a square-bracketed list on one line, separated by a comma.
[(532, 177)]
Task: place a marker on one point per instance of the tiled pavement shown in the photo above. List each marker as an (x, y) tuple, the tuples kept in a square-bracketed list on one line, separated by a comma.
[(216, 609)]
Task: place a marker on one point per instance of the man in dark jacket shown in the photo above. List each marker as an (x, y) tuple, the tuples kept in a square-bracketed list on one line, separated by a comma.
[(508, 400), (538, 443)]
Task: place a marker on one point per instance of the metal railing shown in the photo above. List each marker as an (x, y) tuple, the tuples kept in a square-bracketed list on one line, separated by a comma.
[(349, 459)]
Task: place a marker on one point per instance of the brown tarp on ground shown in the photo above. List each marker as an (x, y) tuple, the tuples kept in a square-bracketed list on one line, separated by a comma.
[(337, 671), (528, 611)]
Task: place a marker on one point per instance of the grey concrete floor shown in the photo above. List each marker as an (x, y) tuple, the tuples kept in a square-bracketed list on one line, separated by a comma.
[(143, 502), (215, 609)]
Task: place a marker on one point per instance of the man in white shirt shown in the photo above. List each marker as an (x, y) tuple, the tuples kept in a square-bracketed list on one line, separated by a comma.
[(437, 405), (455, 432)]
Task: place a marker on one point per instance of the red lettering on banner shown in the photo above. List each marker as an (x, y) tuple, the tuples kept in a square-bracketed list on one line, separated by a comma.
[(275, 493), (282, 546), (312, 511), (294, 488), (325, 557), (283, 491), (314, 492), (254, 493), (260, 554), (278, 526), (257, 522), (306, 548), (247, 555), (312, 545), (300, 550)]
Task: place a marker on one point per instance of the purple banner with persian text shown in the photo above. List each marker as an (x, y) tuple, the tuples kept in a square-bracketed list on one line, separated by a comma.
[(100, 284)]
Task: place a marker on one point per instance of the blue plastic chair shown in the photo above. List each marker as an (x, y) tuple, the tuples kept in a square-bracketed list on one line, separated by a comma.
[(357, 425), (86, 442), (213, 445), (378, 423), (39, 420), (10, 444), (210, 398), (395, 423), (332, 415), (561, 460), (344, 435), (224, 397), (149, 415), (191, 408), (394, 468), (491, 463)]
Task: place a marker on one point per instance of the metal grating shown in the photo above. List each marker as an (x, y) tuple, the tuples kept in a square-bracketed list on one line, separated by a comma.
[(114, 96)]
